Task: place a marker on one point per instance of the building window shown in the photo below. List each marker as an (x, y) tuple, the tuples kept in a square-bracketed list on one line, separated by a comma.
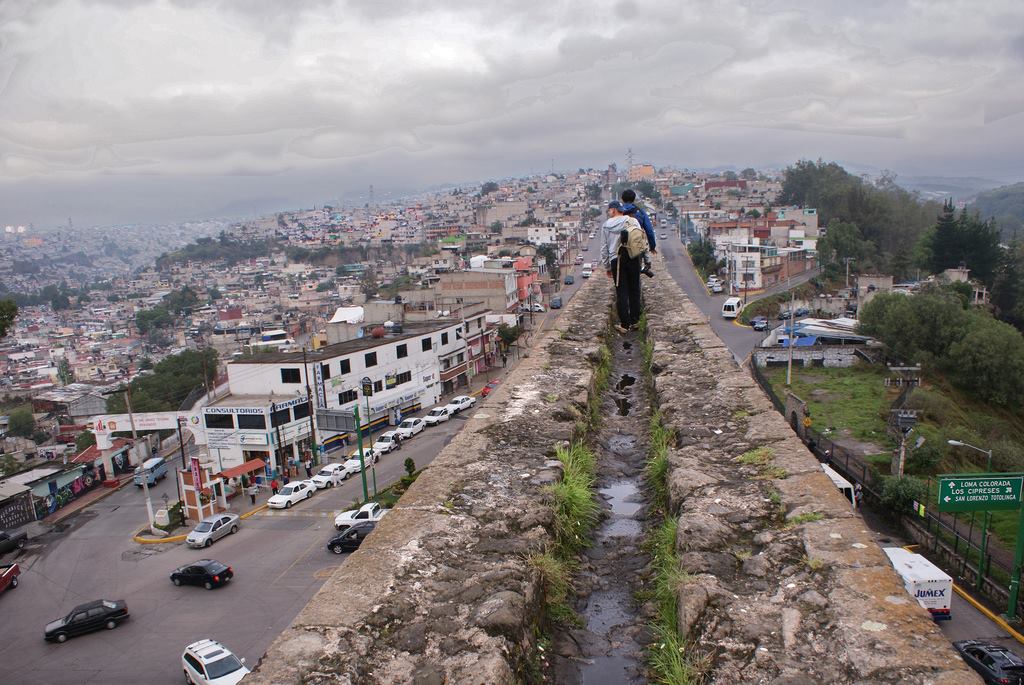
[(347, 396), (346, 367), (325, 370), (370, 358), (404, 377), (301, 411), (256, 422), (402, 351), (290, 376), (280, 417), (220, 421), (444, 338), (426, 344), (378, 386), (460, 358)]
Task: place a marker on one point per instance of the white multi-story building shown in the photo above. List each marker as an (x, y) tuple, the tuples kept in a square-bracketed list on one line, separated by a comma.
[(389, 373)]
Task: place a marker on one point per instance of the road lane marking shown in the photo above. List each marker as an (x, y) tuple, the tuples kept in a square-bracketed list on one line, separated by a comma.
[(299, 558)]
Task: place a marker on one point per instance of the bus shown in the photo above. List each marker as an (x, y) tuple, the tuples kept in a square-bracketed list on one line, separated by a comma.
[(731, 308)]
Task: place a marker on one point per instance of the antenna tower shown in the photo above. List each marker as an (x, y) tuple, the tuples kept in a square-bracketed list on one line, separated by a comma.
[(629, 159)]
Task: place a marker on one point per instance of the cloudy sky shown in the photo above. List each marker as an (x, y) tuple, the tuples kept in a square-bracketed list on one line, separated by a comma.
[(118, 111)]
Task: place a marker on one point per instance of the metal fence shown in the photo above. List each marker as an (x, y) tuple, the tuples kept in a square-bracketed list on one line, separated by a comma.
[(952, 540)]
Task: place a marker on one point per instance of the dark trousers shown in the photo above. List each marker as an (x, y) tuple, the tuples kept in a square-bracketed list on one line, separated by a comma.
[(626, 273)]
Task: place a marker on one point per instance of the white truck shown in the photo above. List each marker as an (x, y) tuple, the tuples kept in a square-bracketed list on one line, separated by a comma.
[(926, 582), (588, 270)]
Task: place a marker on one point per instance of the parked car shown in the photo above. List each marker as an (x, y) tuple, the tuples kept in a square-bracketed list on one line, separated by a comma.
[(151, 471), (209, 573), (9, 576), (330, 475), (489, 388), (85, 618), (213, 528), (368, 512), (460, 402), (995, 663), (410, 427), (717, 288), (539, 308), (570, 279), (388, 442), (759, 323), (783, 314), (353, 467), (208, 662), (11, 541), (585, 248), (801, 311), (437, 415), (349, 539), (556, 302), (296, 491), (579, 259)]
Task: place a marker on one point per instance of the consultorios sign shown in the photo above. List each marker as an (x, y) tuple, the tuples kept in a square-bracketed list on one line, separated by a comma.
[(980, 492)]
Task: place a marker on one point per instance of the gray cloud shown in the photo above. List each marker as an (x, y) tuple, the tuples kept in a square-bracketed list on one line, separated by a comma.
[(105, 101)]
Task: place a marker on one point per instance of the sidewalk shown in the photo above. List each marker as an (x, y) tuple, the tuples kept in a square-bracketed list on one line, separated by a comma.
[(95, 495)]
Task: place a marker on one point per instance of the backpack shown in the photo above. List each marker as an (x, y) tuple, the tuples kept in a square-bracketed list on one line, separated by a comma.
[(633, 239)]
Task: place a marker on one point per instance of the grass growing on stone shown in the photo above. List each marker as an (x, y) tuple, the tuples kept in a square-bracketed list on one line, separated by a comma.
[(556, 577), (667, 654), (576, 509), (800, 519), (657, 460), (602, 374), (756, 457)]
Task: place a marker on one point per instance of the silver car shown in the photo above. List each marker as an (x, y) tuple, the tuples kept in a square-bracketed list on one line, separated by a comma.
[(211, 529)]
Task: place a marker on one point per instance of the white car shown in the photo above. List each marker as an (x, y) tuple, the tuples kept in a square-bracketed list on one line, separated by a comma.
[(460, 402), (538, 307), (367, 512), (387, 442), (352, 466), (330, 475), (410, 427), (296, 491), (437, 415), (208, 662)]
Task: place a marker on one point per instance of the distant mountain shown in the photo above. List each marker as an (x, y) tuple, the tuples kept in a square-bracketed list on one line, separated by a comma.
[(941, 187), (1006, 205)]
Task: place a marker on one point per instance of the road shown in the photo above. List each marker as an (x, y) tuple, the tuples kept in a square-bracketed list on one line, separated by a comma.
[(279, 558)]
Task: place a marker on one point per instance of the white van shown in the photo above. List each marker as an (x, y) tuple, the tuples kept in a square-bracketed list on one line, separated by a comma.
[(588, 270), (152, 470), (731, 308)]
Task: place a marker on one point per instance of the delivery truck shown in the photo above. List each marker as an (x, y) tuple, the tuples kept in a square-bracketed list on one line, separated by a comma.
[(927, 583)]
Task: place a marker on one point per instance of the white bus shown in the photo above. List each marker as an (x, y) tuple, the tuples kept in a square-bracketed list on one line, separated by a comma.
[(731, 308)]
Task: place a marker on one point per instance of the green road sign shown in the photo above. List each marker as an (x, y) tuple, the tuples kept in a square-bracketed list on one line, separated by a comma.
[(980, 492)]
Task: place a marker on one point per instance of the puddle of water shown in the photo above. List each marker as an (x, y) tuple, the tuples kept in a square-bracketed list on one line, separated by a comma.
[(622, 445), (622, 528), (625, 382), (619, 495), (605, 610), (623, 404), (611, 670)]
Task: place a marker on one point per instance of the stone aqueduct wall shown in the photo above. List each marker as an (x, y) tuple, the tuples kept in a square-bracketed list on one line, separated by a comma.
[(443, 591)]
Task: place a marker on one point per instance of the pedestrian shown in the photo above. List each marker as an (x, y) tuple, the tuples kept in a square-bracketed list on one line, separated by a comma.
[(630, 208), (309, 467), (273, 486), (252, 494), (858, 494), (504, 360), (622, 246)]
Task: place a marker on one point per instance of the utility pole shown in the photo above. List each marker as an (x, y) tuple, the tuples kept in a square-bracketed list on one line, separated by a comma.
[(848, 260), (791, 338), (362, 460), (983, 549), (141, 467), (312, 412), (280, 445)]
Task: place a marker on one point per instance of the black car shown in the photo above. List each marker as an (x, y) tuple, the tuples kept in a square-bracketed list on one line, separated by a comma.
[(85, 618), (11, 541), (801, 311), (783, 314), (759, 323), (206, 572), (996, 664), (349, 539)]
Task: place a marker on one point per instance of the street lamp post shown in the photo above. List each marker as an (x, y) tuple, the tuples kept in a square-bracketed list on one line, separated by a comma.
[(988, 516)]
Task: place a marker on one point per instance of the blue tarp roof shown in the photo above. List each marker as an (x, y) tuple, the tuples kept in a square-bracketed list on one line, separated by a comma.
[(807, 341)]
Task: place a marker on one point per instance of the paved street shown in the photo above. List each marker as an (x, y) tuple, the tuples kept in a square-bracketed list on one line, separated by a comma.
[(279, 559)]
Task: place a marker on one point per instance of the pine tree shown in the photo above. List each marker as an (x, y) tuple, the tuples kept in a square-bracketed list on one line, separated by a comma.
[(945, 241)]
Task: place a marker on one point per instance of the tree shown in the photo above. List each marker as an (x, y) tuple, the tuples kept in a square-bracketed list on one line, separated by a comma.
[(844, 240), (8, 464), (8, 311), (20, 422), (749, 174), (368, 283), (150, 319), (550, 254), (496, 227), (84, 441), (594, 192), (213, 293), (988, 362), (145, 364), (508, 334), (60, 301), (64, 372), (324, 286), (730, 176), (489, 187)]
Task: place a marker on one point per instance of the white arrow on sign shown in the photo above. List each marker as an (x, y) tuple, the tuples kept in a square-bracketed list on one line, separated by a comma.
[(947, 498), (951, 484)]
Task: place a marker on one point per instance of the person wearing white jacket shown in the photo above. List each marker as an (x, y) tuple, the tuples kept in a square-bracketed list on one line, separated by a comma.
[(620, 267)]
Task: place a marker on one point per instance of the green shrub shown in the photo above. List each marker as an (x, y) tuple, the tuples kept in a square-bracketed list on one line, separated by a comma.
[(576, 510), (898, 494)]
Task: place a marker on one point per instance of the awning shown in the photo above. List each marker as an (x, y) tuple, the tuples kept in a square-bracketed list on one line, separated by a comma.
[(247, 467)]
